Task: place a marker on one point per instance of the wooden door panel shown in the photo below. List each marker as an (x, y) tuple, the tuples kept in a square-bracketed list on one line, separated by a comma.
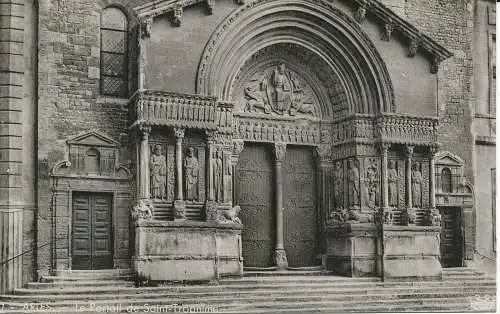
[(451, 249), (300, 215), (255, 197), (91, 231)]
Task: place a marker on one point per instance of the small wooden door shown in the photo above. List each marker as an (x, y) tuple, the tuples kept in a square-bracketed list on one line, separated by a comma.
[(451, 239), (255, 186), (92, 230), (300, 215)]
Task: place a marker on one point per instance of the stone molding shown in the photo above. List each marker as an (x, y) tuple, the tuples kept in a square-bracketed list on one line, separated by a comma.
[(364, 8)]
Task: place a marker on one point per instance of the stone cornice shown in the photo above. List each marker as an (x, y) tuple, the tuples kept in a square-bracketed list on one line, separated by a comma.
[(373, 8)]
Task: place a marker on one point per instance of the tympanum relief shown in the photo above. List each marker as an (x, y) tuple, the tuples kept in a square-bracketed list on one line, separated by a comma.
[(277, 90)]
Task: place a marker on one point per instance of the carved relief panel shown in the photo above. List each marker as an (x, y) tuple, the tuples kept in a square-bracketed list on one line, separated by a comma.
[(93, 153), (161, 168), (194, 167)]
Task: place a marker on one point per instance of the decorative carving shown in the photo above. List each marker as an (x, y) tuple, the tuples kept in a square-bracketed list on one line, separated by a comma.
[(218, 176), (413, 47), (280, 258), (58, 168), (191, 172), (179, 210), (277, 92), (392, 183), (358, 216), (338, 217), (177, 15), (338, 185), (179, 133), (388, 218), (211, 211), (360, 14), (372, 183), (146, 25), (323, 152), (210, 6), (434, 217), (411, 216), (407, 130), (230, 215), (388, 29), (435, 64), (158, 173), (353, 183), (279, 150), (238, 146), (416, 184), (142, 210)]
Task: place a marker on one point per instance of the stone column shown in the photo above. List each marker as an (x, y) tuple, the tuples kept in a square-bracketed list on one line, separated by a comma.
[(237, 149), (210, 169), (179, 204), (432, 177), (323, 158), (143, 192), (409, 196), (12, 189), (279, 150), (384, 151)]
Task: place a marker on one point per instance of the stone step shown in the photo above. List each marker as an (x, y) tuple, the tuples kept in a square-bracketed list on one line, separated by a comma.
[(284, 305), (63, 293), (80, 283), (77, 278), (297, 272)]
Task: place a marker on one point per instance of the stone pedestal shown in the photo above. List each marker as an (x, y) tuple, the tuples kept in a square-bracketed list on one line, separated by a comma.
[(411, 252), (187, 250), (353, 249)]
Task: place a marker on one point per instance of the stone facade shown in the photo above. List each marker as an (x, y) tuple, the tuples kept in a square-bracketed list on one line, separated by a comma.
[(390, 97)]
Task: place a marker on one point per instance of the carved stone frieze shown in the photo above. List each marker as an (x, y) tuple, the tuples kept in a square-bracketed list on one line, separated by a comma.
[(407, 129), (264, 130)]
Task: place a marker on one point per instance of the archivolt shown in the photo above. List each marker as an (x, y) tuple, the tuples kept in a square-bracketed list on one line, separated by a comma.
[(316, 25)]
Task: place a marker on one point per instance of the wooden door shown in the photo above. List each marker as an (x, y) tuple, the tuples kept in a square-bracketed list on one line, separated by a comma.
[(300, 214), (451, 248), (91, 231), (255, 186)]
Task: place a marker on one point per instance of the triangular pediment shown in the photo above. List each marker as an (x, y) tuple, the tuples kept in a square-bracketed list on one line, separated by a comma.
[(374, 8), (93, 138), (447, 158)]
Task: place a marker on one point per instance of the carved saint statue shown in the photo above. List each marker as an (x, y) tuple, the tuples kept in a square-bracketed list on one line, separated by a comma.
[(353, 183), (218, 176), (392, 182), (416, 185), (158, 169), (282, 87), (338, 181), (191, 168), (371, 186)]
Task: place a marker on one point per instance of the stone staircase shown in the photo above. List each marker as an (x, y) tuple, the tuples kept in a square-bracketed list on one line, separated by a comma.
[(307, 291)]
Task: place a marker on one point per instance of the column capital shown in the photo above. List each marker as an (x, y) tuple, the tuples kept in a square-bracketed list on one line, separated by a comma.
[(383, 147), (409, 150), (238, 146), (433, 149), (279, 150), (144, 130), (210, 136), (323, 152), (179, 133)]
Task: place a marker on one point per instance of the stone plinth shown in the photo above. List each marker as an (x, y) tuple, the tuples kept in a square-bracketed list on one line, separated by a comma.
[(187, 250), (352, 249), (411, 252)]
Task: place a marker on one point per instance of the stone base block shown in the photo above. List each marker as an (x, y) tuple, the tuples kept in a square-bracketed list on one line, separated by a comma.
[(187, 250), (411, 252), (352, 250)]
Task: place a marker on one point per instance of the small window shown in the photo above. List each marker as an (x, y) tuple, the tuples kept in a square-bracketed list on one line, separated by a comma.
[(446, 180), (114, 61), (92, 161)]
